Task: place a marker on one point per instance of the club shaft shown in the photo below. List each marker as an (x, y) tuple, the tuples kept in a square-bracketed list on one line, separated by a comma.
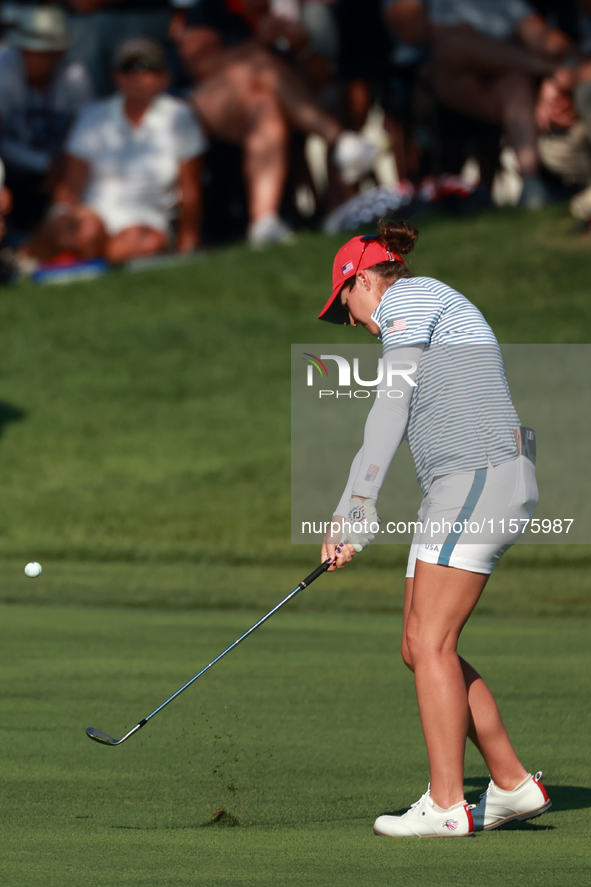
[(303, 584)]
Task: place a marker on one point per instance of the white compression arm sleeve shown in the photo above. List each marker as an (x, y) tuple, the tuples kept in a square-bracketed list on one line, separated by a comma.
[(343, 506), (384, 430)]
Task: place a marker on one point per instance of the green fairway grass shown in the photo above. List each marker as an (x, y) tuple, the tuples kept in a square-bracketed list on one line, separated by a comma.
[(518, 587), (145, 462), (302, 736)]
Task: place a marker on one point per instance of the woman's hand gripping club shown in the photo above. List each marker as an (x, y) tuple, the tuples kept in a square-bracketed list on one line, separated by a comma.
[(350, 535)]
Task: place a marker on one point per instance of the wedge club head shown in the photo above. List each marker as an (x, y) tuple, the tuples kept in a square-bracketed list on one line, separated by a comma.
[(105, 739), (99, 736)]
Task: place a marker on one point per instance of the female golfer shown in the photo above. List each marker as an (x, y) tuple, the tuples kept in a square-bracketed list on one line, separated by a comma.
[(444, 389)]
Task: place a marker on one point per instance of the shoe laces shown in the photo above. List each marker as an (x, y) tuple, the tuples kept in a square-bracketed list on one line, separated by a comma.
[(484, 794), (422, 799), (488, 788), (427, 796)]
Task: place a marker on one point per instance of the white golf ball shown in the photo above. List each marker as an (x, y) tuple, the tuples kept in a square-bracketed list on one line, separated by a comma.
[(33, 570)]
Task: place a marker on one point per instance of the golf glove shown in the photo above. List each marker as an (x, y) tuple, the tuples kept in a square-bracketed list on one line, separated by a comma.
[(361, 524)]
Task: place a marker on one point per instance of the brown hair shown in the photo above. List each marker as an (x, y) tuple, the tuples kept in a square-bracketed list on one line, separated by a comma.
[(398, 237)]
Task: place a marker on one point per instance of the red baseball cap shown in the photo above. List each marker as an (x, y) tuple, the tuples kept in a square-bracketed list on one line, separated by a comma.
[(356, 255)]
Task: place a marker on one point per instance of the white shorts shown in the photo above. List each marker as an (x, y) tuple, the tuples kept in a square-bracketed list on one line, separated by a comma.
[(117, 216), (469, 519)]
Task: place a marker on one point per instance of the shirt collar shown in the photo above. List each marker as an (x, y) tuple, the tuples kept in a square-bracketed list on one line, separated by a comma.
[(121, 120)]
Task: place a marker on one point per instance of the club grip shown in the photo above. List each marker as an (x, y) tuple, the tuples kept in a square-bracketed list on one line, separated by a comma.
[(317, 572)]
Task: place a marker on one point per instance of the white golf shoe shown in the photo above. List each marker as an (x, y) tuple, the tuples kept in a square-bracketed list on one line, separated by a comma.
[(528, 800), (354, 156), (268, 230), (426, 820)]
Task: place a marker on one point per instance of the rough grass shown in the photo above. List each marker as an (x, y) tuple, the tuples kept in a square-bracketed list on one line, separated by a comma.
[(147, 416)]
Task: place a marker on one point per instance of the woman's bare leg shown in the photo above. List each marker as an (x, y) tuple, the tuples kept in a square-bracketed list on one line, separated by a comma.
[(517, 97), (79, 230), (451, 696), (222, 99), (467, 92), (298, 105), (136, 242), (461, 46), (246, 113), (488, 732), (265, 156), (508, 100)]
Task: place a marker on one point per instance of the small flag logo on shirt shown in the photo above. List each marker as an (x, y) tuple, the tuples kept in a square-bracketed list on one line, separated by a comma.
[(372, 473), (348, 267), (396, 326)]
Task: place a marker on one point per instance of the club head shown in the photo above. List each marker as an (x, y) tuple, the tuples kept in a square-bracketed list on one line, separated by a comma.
[(101, 737)]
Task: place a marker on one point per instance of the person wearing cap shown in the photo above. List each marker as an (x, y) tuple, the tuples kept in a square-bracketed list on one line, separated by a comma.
[(444, 390), (132, 170), (40, 95)]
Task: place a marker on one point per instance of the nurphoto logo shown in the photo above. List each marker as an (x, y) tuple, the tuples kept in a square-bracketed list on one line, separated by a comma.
[(388, 371)]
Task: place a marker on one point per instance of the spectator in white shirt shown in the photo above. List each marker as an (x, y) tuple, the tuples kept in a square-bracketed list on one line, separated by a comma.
[(133, 166), (40, 95)]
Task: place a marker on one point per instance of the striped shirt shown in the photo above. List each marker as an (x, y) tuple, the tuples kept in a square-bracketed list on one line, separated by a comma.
[(461, 415)]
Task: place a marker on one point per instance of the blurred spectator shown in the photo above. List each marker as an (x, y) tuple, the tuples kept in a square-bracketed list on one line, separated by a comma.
[(563, 14), (487, 57), (407, 100), (319, 22), (5, 201), (431, 139), (40, 94), (564, 116), (99, 26), (6, 269), (131, 159), (363, 59), (249, 96)]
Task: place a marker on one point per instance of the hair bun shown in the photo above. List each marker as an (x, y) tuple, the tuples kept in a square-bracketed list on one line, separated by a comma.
[(396, 236)]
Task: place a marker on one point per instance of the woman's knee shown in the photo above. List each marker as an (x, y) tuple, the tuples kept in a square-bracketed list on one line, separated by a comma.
[(414, 640), (137, 241), (79, 231), (426, 641), (405, 653), (91, 232), (265, 120)]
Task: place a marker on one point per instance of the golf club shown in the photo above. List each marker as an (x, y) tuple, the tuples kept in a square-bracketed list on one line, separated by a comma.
[(105, 739)]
